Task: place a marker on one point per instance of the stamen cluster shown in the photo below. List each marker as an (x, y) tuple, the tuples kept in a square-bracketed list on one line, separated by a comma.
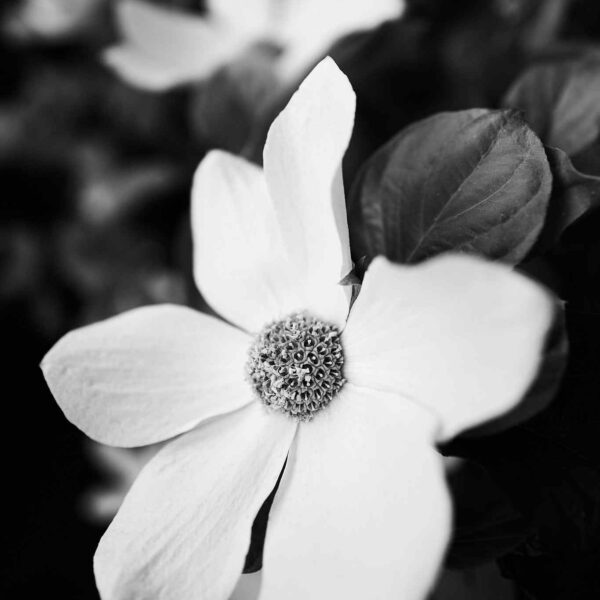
[(295, 365)]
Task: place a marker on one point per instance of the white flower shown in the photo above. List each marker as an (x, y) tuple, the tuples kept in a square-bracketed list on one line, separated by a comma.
[(51, 19), (162, 48), (362, 510)]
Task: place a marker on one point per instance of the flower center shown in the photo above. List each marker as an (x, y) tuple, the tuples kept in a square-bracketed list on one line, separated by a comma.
[(295, 365)]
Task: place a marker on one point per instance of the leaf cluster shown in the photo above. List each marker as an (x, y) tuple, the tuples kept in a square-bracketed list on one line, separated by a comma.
[(517, 182)]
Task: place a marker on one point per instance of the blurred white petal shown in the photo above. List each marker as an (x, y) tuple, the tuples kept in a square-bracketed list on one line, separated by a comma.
[(162, 48), (142, 70), (51, 19), (102, 505), (183, 530), (251, 16), (362, 510), (457, 334), (313, 26), (148, 374), (302, 160)]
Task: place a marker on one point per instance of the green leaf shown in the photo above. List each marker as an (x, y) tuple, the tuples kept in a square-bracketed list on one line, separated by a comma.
[(561, 102), (472, 181), (573, 194)]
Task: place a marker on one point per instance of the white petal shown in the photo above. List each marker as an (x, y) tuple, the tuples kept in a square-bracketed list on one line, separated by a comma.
[(148, 374), (313, 26), (142, 70), (183, 530), (362, 510), (241, 264), (163, 48), (253, 16), (459, 335), (50, 18), (302, 160)]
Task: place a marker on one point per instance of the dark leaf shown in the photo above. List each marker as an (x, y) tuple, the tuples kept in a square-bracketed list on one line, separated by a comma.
[(565, 576), (537, 21), (441, 55), (483, 582), (583, 20), (225, 109), (578, 264), (561, 561), (550, 469), (561, 102), (472, 181), (486, 523), (573, 195), (549, 481), (465, 56), (588, 160)]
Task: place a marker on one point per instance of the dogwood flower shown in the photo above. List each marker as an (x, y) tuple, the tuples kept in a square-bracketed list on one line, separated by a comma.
[(162, 48), (51, 19), (354, 399)]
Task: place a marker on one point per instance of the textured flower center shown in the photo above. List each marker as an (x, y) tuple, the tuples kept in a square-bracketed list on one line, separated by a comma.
[(295, 365)]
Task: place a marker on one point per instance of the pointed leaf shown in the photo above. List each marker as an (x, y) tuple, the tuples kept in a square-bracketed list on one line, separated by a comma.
[(561, 102), (481, 535), (474, 181), (573, 194)]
